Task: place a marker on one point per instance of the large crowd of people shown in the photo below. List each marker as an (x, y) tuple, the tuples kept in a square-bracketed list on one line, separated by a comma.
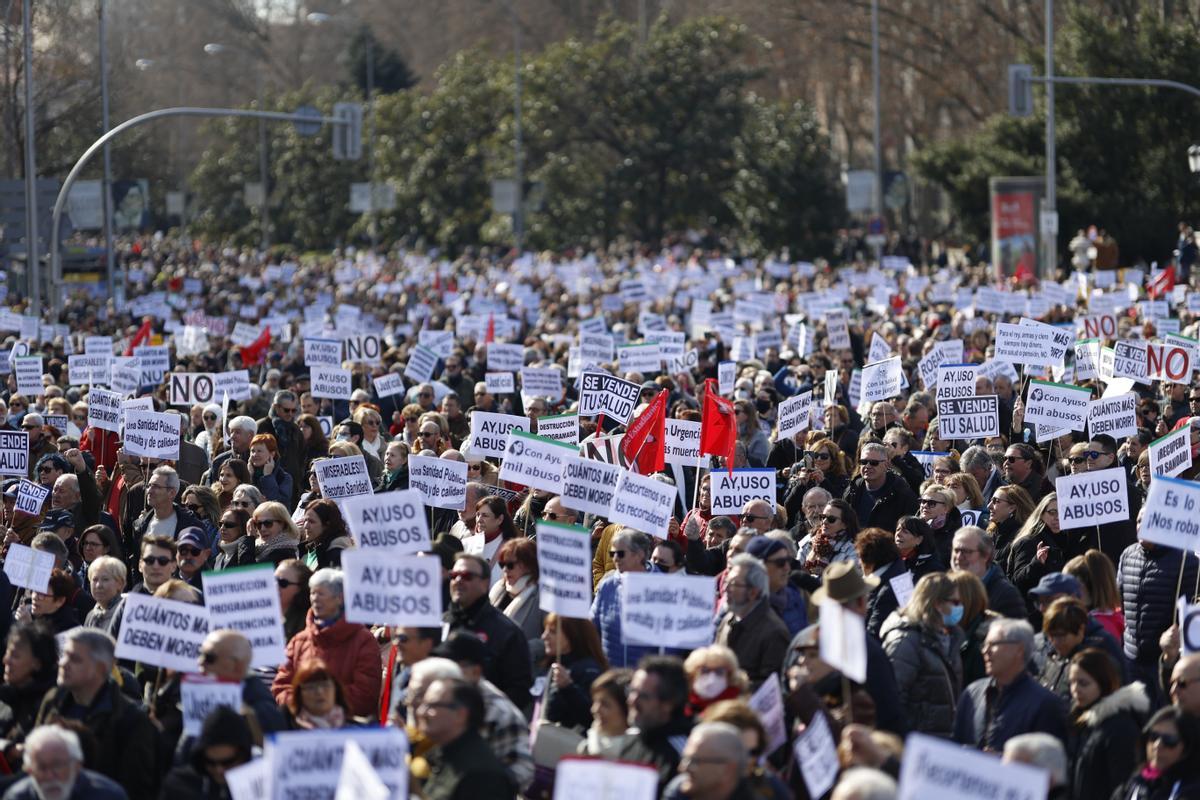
[(988, 620)]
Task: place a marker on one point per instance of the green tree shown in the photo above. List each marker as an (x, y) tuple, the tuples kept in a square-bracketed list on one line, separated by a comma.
[(391, 70)]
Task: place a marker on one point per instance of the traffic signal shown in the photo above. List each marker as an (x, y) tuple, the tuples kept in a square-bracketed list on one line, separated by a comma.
[(347, 131), (1020, 90)]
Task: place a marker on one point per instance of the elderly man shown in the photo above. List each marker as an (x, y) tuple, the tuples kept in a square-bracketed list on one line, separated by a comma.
[(750, 627), (883, 416), (125, 739), (812, 507), (973, 550), (878, 496), (164, 517), (978, 464), (1043, 751), (241, 431), (1185, 684), (713, 767), (39, 443), (1009, 701), (54, 770), (450, 716), (225, 655), (759, 515), (281, 423), (1020, 469), (657, 704), (629, 550)]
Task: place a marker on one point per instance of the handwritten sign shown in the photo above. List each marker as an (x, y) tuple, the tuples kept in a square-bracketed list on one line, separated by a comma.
[(383, 588), (165, 633), (667, 610), (393, 521)]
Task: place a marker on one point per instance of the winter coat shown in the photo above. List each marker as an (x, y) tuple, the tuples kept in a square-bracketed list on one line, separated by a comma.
[(1003, 535), (882, 601), (238, 553), (1103, 744), (1024, 569), (1003, 597), (928, 673), (1169, 786), (1148, 579), (1053, 671), (660, 748), (789, 604), (893, 501), (277, 486), (606, 616), (1021, 707), (324, 552), (759, 640), (508, 665), (525, 611), (348, 650), (971, 648)]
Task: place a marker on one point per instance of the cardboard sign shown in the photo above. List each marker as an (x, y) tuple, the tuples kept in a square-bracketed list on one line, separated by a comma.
[(838, 328), (1024, 344), (31, 497), (500, 382), (956, 380), (560, 428), (663, 610), (935, 769), (1057, 404), (843, 640), (596, 779), (388, 385), (366, 349), (489, 432), (1189, 627), (385, 588), (235, 383), (151, 434), (1116, 416), (28, 568), (968, 417), (534, 461), (421, 364), (565, 568), (1172, 517), (87, 369), (28, 372), (200, 696), (441, 482), (1092, 498), (1171, 454), (14, 453), (816, 754), (308, 764), (322, 352), (104, 410), (165, 633), (682, 442), (154, 361), (505, 357), (643, 504), (1129, 361), (794, 415), (332, 382), (726, 377), (601, 393), (340, 478), (882, 380), (246, 599), (190, 388), (589, 485), (767, 702), (394, 521), (730, 493)]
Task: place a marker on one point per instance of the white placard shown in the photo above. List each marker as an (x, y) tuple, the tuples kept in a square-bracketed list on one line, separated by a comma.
[(731, 492), (388, 384), (681, 442), (540, 382), (837, 327), (1115, 416), (882, 380), (165, 633), (1092, 498), (643, 504), (364, 348), (1087, 359), (505, 357), (535, 461), (332, 382), (643, 358), (560, 428), (1189, 627), (308, 764), (318, 352), (358, 779), (1025, 344), (843, 640), (794, 415), (489, 432), (28, 371), (726, 377), (596, 779), (1171, 454), (956, 380), (601, 393), (935, 769), (88, 369), (98, 345), (816, 755), (500, 382), (767, 702), (340, 478), (440, 342), (151, 434), (1129, 361), (392, 521), (104, 410), (663, 610), (1172, 517), (246, 599), (189, 388), (385, 588), (1058, 405), (28, 568), (589, 485), (442, 483), (421, 363), (235, 383), (968, 417), (1171, 363), (154, 361), (565, 569), (31, 497), (199, 696), (902, 587)]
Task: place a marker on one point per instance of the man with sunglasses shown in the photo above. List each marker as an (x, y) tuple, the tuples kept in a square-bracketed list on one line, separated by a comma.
[(156, 564), (225, 656), (193, 556), (289, 441), (879, 496), (1185, 684), (39, 443), (1021, 468), (164, 516)]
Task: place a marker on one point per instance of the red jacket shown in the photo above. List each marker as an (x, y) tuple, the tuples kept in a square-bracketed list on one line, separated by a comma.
[(351, 654)]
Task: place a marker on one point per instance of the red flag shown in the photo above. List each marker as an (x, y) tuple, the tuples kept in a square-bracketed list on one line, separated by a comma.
[(254, 353), (490, 336), (1162, 283), (143, 333), (644, 443), (718, 425)]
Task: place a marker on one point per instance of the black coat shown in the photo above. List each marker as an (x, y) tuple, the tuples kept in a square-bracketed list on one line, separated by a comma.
[(656, 748), (1148, 579), (1003, 535), (1024, 569), (882, 601), (1103, 743), (572, 704), (894, 500), (508, 665)]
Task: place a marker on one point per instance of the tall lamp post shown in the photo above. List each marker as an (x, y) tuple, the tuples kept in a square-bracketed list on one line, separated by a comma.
[(213, 49), (33, 265), (106, 185)]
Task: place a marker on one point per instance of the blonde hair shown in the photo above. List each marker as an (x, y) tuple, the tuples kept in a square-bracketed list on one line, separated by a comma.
[(716, 652), (969, 485), (921, 609)]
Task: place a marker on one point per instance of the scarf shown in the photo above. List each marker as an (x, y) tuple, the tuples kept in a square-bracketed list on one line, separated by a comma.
[(336, 718)]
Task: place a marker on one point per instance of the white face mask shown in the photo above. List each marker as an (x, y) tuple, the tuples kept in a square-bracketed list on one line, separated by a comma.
[(709, 684), (518, 586)]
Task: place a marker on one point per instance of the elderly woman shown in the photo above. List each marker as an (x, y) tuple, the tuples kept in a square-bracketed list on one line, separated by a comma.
[(269, 476), (276, 536), (324, 534), (53, 607), (374, 438), (247, 497), (937, 507), (106, 579), (517, 594), (348, 650), (395, 467), (713, 675), (318, 701), (204, 503)]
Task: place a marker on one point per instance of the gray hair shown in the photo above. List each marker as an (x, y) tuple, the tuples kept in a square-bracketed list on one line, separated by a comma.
[(816, 492), (1039, 750), (864, 783), (249, 491), (873, 446), (1015, 630), (976, 457), (635, 540), (244, 424), (327, 577), (428, 670), (785, 539), (283, 396), (987, 545), (169, 475), (99, 644), (48, 542), (756, 572), (43, 735), (727, 738), (107, 565)]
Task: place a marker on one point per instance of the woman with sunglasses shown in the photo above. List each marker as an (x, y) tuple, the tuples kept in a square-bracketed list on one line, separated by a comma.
[(232, 474), (235, 547), (936, 506), (375, 438), (323, 534), (291, 577), (1170, 768), (202, 501), (1104, 724), (821, 465), (1008, 509), (1040, 548), (517, 596), (276, 536)]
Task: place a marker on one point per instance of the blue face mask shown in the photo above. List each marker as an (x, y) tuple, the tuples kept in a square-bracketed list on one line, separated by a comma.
[(955, 616)]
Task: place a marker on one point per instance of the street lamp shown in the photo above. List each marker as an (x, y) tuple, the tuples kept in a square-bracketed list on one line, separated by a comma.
[(213, 49), (106, 187), (320, 18), (176, 147), (1194, 159)]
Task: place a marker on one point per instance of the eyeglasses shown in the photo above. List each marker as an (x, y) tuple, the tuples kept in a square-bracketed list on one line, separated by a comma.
[(829, 518), (474, 467), (754, 516), (961, 551), (1014, 458), (266, 523), (195, 508), (428, 434), (88, 544), (616, 553), (507, 565), (287, 409), (228, 524), (870, 462), (931, 501), (464, 575), (161, 561), (819, 455), (284, 583), (778, 562), (42, 470), (1094, 454), (1192, 399), (424, 708), (554, 516), (1077, 459), (210, 417), (189, 550), (1167, 739)]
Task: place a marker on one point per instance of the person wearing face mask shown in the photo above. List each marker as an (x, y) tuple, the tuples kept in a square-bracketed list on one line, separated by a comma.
[(922, 641), (516, 596), (713, 675)]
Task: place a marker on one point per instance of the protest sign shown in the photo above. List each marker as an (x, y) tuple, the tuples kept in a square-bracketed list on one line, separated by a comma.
[(1171, 454), (925, 459), (1058, 404), (595, 348), (816, 755), (843, 640), (30, 497), (441, 482), (388, 384), (542, 382), (1189, 627), (902, 587), (1087, 359), (595, 779), (421, 363), (358, 779), (199, 695), (1129, 361), (87, 369), (1092, 498), (1115, 416), (60, 423), (98, 345), (601, 393), (559, 427), (681, 442), (880, 350), (730, 493), (151, 434), (535, 461), (1058, 340), (837, 326), (123, 380), (154, 361), (27, 568), (440, 342), (767, 702), (235, 383), (364, 348), (1171, 363), (589, 485), (246, 599), (643, 504), (1023, 344), (308, 764), (1100, 326), (674, 610), (165, 633), (882, 380), (1172, 517), (956, 380), (340, 478), (968, 417), (322, 352), (489, 432), (500, 382), (505, 357), (795, 414), (831, 388), (28, 371), (935, 769), (726, 377), (332, 382), (565, 569), (643, 358), (386, 588), (394, 521), (970, 516), (190, 388)]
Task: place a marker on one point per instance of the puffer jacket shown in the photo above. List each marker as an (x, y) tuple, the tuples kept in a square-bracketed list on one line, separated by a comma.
[(1148, 579), (348, 650), (1102, 745), (928, 673)]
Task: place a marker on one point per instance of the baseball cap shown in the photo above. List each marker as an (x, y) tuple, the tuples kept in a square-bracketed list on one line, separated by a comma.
[(55, 519), (1055, 583), (193, 536)]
